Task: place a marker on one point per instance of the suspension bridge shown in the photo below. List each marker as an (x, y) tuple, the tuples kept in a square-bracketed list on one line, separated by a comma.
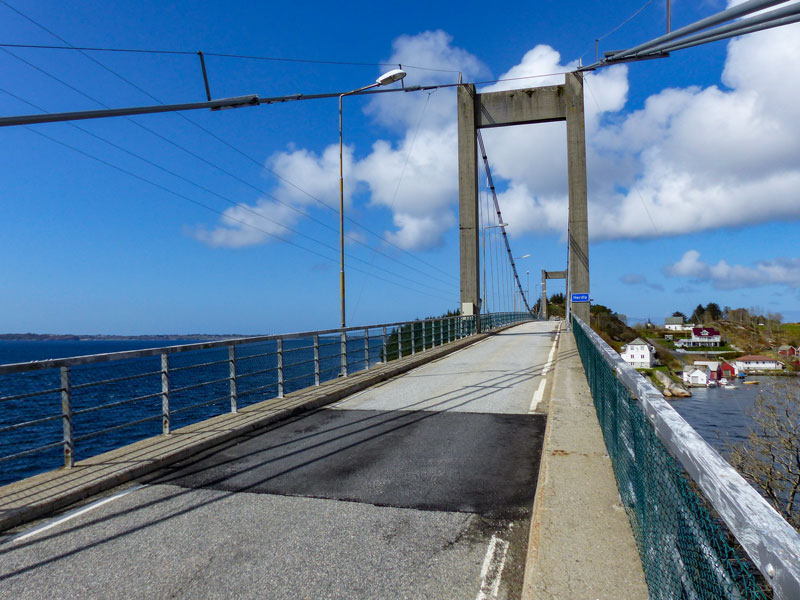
[(491, 453)]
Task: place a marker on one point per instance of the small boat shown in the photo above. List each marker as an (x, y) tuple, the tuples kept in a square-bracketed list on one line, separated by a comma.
[(750, 382), (723, 381), (729, 387), (711, 383)]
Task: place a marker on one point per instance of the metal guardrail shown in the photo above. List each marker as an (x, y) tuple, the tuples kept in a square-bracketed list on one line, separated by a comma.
[(95, 403), (685, 550)]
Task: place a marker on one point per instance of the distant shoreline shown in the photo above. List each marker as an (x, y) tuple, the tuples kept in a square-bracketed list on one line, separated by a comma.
[(54, 337)]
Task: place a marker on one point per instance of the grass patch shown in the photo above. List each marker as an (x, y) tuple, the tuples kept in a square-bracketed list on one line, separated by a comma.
[(791, 330)]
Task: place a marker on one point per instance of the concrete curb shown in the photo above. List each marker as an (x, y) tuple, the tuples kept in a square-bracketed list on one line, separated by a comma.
[(533, 535), (42, 494), (580, 542)]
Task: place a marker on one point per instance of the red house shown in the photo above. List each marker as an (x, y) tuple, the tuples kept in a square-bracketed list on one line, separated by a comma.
[(727, 370), (787, 351)]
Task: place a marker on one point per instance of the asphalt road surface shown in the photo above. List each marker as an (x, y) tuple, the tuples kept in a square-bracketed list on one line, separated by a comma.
[(418, 488)]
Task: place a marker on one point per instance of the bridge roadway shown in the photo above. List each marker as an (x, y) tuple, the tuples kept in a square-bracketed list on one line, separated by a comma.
[(421, 487)]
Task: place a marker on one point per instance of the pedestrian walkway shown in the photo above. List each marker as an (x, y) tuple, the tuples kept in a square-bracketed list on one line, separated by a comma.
[(581, 544)]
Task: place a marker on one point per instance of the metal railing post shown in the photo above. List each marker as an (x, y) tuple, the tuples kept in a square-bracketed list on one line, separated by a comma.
[(316, 359), (449, 320), (366, 347), (280, 367), (384, 350), (232, 363), (343, 353), (400, 342), (66, 418), (424, 336), (165, 416)]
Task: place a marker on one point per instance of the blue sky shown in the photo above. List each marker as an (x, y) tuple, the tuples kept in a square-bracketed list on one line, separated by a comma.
[(694, 164)]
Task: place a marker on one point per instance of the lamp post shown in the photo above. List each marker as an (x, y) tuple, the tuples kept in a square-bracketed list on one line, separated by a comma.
[(385, 79), (515, 293), (528, 285)]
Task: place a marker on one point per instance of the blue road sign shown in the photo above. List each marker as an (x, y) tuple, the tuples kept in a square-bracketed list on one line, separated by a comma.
[(580, 297)]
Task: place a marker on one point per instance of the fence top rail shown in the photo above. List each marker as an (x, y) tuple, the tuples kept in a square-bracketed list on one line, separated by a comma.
[(771, 543), (54, 363)]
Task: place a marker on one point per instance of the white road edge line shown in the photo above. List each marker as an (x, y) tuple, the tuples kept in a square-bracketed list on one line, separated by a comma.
[(549, 362), (492, 569), (537, 396), (76, 513)]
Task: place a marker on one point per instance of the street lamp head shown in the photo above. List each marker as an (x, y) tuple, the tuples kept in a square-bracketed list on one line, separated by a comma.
[(390, 77)]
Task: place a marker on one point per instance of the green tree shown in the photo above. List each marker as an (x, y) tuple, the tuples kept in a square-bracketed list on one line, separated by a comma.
[(713, 311), (698, 314)]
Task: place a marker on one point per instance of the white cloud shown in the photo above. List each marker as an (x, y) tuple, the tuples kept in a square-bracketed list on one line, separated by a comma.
[(707, 158), (317, 180), (691, 159), (639, 279), (533, 157), (723, 276), (434, 50), (421, 232), (245, 225)]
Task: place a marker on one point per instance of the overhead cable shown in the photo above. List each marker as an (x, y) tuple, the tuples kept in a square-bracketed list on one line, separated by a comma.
[(618, 27), (218, 212), (768, 20), (264, 101), (218, 55), (215, 166), (648, 49), (229, 200)]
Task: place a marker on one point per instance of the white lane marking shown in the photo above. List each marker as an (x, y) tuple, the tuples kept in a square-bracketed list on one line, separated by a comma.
[(549, 362), (537, 396), (492, 568), (73, 514)]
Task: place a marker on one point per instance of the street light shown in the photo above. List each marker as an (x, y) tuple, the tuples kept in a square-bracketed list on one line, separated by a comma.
[(528, 285), (484, 257), (385, 79), (515, 293)]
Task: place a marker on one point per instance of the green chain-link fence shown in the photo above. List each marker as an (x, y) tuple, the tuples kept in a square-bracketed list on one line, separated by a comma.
[(685, 551)]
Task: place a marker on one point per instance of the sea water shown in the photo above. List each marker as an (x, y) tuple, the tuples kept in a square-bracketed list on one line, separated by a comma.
[(256, 381)]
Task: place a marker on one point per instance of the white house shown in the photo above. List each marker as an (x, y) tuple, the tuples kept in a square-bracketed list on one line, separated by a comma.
[(757, 362), (702, 336), (676, 324), (712, 366), (697, 375), (639, 354)]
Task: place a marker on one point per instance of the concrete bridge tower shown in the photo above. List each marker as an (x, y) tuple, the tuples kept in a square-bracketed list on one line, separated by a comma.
[(520, 107)]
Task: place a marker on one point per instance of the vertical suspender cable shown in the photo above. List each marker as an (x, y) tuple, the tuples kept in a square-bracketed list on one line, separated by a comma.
[(500, 219)]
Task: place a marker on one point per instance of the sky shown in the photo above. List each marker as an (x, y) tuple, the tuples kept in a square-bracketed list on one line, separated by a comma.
[(227, 221)]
